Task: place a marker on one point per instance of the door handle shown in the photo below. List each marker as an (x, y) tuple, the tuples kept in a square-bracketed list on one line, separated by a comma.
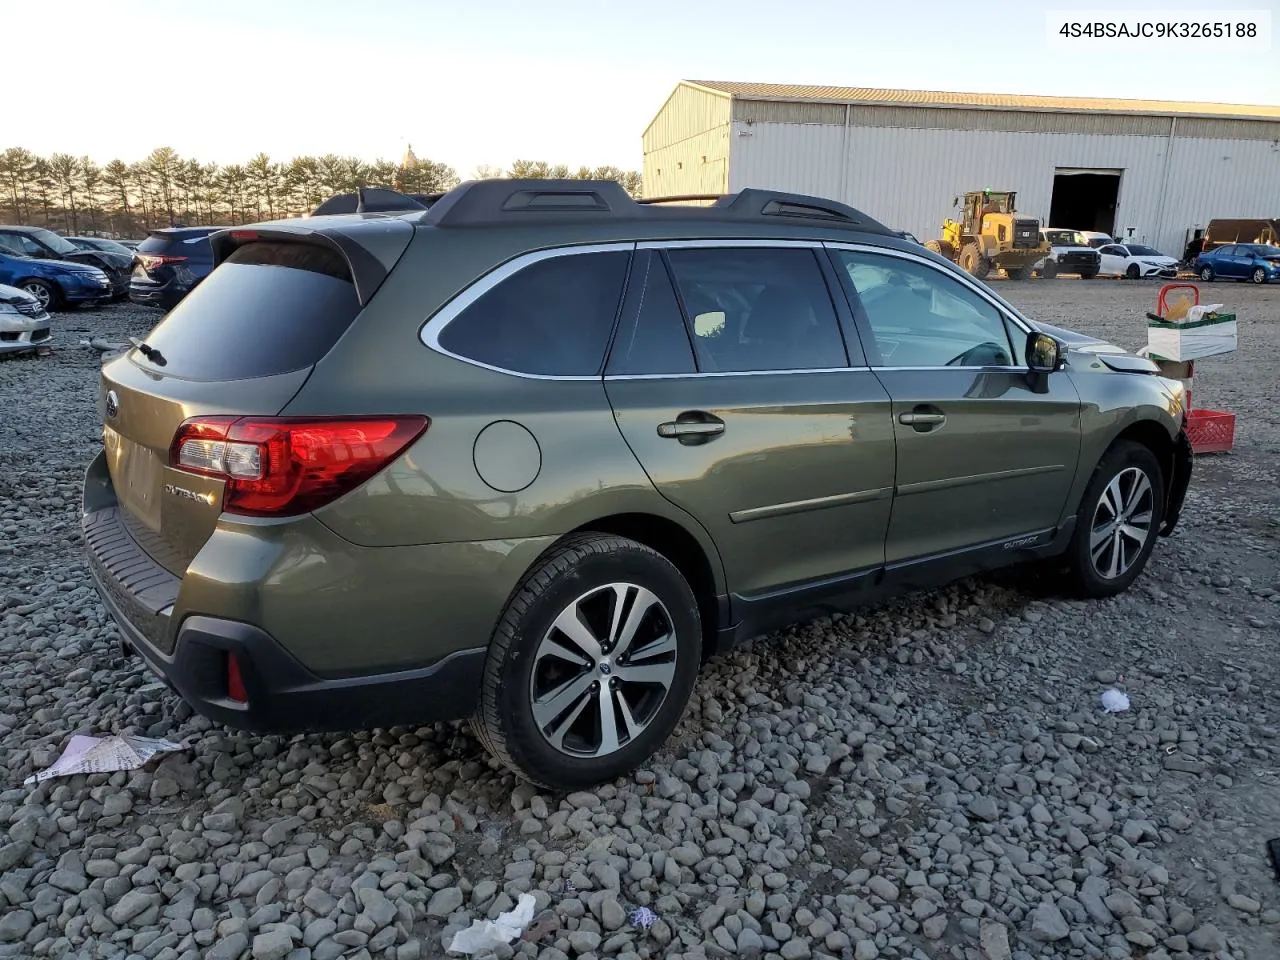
[(923, 419), (692, 427)]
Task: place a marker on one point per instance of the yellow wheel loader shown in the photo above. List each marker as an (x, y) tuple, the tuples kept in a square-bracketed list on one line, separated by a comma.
[(990, 235)]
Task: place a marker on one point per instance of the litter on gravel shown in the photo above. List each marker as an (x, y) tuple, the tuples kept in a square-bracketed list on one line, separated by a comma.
[(1115, 701), (104, 755), (484, 935)]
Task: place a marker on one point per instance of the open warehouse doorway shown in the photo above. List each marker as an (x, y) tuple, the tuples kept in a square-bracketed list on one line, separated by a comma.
[(1085, 199)]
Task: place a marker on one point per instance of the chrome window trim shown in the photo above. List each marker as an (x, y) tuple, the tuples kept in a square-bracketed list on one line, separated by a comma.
[(727, 242), (460, 301), (1004, 310), (790, 371)]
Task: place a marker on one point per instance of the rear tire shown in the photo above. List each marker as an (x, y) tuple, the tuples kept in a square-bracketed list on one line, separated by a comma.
[(1018, 273), (568, 710), (1118, 521), (1133, 273), (1088, 274), (47, 293)]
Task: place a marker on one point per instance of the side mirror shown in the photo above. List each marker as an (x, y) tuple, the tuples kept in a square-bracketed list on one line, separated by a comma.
[(1044, 353)]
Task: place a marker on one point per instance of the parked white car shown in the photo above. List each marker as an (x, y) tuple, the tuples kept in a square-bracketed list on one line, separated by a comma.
[(1134, 260), (24, 323), (1071, 253)]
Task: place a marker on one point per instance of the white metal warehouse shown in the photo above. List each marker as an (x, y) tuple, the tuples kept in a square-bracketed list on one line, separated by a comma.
[(1153, 170)]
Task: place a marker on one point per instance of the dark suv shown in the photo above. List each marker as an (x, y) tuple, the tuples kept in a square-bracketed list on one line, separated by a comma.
[(530, 452), (169, 264)]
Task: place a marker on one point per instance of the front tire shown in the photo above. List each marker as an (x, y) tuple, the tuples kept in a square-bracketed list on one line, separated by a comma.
[(1259, 275), (1049, 270), (973, 262), (591, 665), (1206, 274), (1018, 273), (1088, 274), (1118, 522), (1133, 273), (48, 294)]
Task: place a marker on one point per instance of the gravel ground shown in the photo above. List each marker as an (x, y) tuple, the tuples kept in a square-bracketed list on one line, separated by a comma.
[(933, 778)]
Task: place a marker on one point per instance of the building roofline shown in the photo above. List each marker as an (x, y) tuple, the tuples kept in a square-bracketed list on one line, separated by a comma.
[(950, 100), (684, 83)]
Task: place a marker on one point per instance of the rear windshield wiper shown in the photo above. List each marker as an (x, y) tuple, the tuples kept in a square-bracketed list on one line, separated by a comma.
[(151, 353)]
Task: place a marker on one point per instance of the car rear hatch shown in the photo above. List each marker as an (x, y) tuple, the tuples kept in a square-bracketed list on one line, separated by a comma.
[(239, 346), (161, 255)]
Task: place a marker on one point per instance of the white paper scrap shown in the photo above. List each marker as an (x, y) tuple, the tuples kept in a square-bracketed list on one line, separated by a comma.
[(104, 755), (484, 935)]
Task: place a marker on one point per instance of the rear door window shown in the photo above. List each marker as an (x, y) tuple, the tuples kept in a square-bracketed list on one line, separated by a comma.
[(656, 342), (551, 318), (270, 308), (755, 309)]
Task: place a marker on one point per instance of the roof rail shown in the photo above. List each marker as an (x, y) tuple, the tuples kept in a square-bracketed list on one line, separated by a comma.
[(487, 201), (680, 198), (375, 200), (479, 202)]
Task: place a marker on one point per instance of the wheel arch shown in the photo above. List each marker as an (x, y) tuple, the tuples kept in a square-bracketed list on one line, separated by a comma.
[(699, 564)]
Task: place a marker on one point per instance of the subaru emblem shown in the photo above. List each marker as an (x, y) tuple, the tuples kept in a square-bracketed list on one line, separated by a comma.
[(113, 403)]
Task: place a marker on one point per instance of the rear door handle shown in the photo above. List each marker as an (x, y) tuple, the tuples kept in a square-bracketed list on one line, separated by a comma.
[(693, 426)]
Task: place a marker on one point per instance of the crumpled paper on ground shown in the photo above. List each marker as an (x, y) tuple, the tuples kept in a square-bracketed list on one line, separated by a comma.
[(104, 755), (485, 935), (1115, 701)]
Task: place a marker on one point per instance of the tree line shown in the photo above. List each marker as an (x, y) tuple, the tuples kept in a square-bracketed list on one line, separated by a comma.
[(76, 194)]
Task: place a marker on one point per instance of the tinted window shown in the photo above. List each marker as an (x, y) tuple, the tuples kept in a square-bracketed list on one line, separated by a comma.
[(270, 308), (921, 317), (755, 308), (657, 342), (24, 244), (552, 318), (1114, 251), (1140, 251)]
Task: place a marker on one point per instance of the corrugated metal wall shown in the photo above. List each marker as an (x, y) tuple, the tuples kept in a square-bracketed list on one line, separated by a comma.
[(907, 177), (686, 148)]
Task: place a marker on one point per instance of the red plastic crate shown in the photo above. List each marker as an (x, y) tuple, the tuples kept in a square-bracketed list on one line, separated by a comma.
[(1211, 431)]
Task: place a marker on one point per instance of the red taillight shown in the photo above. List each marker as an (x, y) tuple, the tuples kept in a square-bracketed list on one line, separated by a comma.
[(244, 234), (235, 682), (150, 261), (281, 466)]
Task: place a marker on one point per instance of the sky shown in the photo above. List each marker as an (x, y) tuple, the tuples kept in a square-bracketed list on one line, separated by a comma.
[(574, 82)]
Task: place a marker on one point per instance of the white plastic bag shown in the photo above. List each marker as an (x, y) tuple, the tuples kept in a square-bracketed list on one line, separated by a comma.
[(485, 935), (1115, 701)]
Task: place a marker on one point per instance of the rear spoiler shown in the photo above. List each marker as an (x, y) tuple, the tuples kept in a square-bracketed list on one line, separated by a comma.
[(370, 247), (375, 200)]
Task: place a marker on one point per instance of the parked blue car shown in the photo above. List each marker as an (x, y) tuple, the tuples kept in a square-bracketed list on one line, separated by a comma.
[(1259, 262), (55, 283)]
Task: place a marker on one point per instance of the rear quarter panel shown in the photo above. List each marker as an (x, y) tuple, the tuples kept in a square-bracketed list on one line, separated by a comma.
[(582, 469)]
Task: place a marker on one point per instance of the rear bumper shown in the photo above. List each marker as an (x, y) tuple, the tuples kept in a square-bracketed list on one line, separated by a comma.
[(165, 296), (284, 694), (286, 697)]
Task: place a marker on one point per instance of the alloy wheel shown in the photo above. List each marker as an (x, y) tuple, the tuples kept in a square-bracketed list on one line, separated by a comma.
[(1121, 523), (1259, 275), (603, 669), (41, 293)]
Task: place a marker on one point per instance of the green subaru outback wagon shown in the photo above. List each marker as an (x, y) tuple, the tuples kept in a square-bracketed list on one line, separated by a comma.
[(530, 452)]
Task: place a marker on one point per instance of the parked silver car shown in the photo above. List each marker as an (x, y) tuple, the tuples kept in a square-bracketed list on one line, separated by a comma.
[(24, 323)]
